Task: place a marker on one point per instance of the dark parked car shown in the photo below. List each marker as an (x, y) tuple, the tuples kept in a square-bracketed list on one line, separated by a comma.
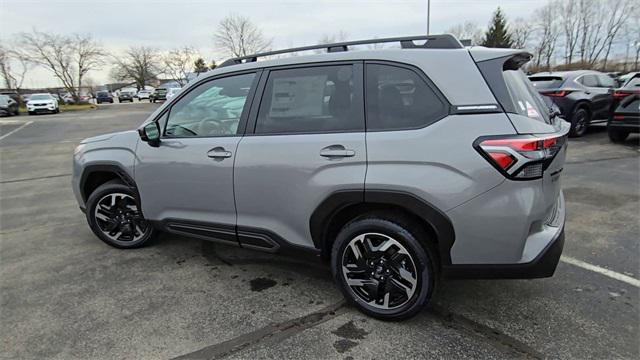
[(158, 94), (125, 96), (583, 97), (104, 96), (8, 106), (625, 114)]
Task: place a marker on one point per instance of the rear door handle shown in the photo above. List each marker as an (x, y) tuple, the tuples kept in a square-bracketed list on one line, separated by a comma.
[(219, 153), (336, 151)]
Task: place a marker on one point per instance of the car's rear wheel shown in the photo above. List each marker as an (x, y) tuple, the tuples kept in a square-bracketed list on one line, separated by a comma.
[(114, 215), (617, 136), (382, 268), (579, 122)]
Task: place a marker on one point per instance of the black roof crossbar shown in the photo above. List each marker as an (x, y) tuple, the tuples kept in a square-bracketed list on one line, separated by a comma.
[(445, 41)]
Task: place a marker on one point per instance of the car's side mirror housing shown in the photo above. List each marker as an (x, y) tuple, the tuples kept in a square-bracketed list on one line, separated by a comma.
[(150, 133)]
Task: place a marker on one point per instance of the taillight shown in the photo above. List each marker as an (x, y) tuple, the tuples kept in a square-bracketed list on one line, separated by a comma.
[(618, 117), (556, 93), (618, 94), (520, 157)]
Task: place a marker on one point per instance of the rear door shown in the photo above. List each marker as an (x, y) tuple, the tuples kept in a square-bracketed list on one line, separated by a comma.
[(598, 94), (308, 141)]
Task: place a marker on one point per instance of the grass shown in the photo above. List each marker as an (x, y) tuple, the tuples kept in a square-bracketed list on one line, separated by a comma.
[(63, 108)]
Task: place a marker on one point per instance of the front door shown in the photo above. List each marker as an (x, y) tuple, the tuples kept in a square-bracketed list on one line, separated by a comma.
[(309, 142), (187, 181)]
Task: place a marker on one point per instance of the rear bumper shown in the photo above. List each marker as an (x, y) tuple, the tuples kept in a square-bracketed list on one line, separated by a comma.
[(544, 265), (631, 124)]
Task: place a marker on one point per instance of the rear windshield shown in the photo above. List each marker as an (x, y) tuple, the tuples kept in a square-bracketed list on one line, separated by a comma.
[(161, 91), (525, 98), (546, 82), (633, 83), (102, 93)]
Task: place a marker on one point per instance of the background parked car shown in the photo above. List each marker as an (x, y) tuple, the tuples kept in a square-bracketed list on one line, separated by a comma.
[(125, 96), (625, 115), (171, 92), (583, 97), (104, 96), (44, 102), (143, 94), (8, 106), (158, 94)]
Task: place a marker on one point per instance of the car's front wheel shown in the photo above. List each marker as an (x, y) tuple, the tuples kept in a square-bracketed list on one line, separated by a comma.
[(114, 216), (384, 266)]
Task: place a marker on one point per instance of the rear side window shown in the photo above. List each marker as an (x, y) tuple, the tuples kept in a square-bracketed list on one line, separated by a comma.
[(526, 99), (398, 98), (546, 82), (311, 99), (606, 81), (589, 80)]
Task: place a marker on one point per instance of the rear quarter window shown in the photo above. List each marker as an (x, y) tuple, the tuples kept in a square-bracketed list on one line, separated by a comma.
[(526, 99)]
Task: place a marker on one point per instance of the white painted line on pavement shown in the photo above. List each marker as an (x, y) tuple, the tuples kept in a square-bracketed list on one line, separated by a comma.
[(15, 130), (600, 270)]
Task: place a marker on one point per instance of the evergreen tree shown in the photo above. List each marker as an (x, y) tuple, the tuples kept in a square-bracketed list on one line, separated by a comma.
[(200, 66), (497, 36)]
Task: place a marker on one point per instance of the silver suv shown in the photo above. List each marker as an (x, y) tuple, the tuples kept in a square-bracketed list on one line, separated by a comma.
[(397, 166)]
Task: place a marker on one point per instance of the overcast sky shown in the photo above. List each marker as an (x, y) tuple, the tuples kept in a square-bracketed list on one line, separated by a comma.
[(166, 24)]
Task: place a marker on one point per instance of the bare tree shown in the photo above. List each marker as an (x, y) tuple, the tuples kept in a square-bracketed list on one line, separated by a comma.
[(237, 36), (468, 30), (138, 64), (592, 14), (178, 63), (88, 55), (69, 58), (547, 29), (619, 11), (570, 19), (13, 68), (340, 36), (521, 31)]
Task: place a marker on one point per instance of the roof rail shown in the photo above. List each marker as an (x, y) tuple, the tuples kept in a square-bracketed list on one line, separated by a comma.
[(444, 41)]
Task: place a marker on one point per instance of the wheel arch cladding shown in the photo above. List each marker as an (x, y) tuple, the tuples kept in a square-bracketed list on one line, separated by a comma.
[(342, 206), (98, 174)]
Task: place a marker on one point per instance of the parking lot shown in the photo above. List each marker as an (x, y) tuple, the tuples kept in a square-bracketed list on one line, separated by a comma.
[(65, 294)]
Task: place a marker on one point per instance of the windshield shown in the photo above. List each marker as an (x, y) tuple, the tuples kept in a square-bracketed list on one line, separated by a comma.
[(546, 82), (633, 83), (103, 93), (4, 99), (526, 99), (40, 97)]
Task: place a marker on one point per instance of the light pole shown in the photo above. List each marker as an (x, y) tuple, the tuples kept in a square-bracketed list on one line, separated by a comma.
[(428, 15)]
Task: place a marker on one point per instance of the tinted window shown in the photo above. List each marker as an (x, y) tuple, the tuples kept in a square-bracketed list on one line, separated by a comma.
[(633, 83), (41, 97), (546, 82), (398, 98), (526, 99), (4, 99), (589, 80), (314, 99), (211, 109), (606, 81)]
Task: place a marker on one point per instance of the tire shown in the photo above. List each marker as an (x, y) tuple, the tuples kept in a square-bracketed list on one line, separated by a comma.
[(118, 222), (406, 270), (57, 110), (617, 136), (579, 122)]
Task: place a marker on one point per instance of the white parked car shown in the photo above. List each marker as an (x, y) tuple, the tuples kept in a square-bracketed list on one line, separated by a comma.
[(143, 94), (171, 92), (44, 102)]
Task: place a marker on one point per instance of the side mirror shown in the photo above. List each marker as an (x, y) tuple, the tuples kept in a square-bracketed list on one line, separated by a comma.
[(150, 133)]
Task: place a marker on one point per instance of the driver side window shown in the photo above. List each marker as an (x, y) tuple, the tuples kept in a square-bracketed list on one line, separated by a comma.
[(211, 109)]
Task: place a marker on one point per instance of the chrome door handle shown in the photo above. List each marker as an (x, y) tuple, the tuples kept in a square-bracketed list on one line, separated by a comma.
[(337, 151), (218, 153)]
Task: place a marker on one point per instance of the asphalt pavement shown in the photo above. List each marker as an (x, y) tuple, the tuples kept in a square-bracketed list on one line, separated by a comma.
[(66, 295)]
